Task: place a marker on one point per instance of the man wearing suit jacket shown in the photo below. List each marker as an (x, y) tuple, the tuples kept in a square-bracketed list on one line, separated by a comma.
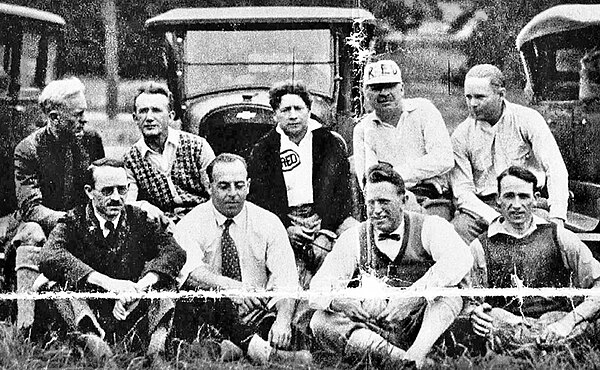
[(108, 246)]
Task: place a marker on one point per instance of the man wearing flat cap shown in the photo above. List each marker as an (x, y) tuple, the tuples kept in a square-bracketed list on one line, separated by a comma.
[(410, 134)]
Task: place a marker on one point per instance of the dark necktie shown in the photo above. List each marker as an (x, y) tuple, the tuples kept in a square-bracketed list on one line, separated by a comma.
[(230, 260), (385, 236), (111, 229)]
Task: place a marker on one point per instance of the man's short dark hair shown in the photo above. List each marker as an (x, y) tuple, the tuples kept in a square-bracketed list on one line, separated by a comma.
[(102, 162), (223, 158), (520, 173), (153, 87), (288, 87), (384, 172)]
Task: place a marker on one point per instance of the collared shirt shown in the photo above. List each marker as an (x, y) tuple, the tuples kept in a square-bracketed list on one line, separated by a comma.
[(418, 146), (266, 256), (482, 151), (161, 161), (576, 256), (452, 257), (297, 166), (102, 221), (390, 247)]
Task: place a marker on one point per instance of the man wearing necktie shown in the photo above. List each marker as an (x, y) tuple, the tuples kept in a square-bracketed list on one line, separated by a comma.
[(232, 244), (393, 248), (108, 246)]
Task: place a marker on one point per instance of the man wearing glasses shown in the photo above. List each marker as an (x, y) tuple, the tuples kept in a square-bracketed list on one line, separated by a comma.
[(108, 246)]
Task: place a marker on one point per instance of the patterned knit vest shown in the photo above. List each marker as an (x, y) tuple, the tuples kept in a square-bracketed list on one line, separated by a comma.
[(534, 260), (186, 175), (404, 270)]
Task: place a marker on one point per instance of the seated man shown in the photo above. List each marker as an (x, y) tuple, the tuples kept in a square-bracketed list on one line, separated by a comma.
[(393, 247), (50, 165), (496, 135), (410, 134), (521, 249), (109, 246), (166, 167), (300, 172), (233, 244)]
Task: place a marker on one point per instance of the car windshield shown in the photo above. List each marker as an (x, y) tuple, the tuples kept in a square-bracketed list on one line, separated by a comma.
[(220, 60)]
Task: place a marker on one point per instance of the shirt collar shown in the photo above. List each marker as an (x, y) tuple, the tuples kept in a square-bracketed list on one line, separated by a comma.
[(220, 218), (103, 220), (497, 227), (312, 125), (172, 139)]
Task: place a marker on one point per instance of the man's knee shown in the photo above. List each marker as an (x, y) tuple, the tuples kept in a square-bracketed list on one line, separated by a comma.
[(29, 234)]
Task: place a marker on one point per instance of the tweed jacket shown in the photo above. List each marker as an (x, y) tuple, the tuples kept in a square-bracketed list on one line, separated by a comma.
[(330, 178), (49, 174), (76, 247), (187, 175)]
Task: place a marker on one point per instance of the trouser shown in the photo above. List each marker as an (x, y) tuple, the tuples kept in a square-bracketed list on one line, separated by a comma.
[(95, 316), (514, 333), (333, 329)]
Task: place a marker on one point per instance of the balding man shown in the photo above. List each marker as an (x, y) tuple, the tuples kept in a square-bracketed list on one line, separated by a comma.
[(496, 135)]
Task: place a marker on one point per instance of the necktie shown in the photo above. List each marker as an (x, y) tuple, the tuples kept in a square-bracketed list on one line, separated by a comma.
[(384, 236), (230, 260), (111, 229)]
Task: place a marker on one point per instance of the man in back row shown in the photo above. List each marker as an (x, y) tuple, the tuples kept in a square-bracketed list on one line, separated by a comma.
[(496, 135), (166, 167), (410, 134)]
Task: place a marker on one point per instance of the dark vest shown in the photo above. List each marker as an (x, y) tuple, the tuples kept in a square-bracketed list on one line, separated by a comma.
[(536, 260), (405, 269)]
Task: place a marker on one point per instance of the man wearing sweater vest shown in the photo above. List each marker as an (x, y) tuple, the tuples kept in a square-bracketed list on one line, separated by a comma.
[(166, 168), (410, 134), (392, 248), (521, 249)]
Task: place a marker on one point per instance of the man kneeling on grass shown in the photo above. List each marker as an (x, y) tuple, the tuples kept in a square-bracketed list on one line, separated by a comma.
[(521, 249), (112, 247), (393, 247), (234, 244)]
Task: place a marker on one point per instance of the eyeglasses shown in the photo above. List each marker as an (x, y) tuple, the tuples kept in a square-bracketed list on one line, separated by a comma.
[(109, 190)]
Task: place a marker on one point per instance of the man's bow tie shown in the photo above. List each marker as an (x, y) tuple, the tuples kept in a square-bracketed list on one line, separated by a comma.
[(384, 236)]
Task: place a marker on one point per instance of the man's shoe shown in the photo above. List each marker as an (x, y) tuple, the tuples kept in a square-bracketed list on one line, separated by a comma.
[(230, 351), (261, 352), (94, 345)]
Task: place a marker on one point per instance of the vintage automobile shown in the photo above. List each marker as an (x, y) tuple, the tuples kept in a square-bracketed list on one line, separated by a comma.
[(560, 50), (222, 61), (29, 44)]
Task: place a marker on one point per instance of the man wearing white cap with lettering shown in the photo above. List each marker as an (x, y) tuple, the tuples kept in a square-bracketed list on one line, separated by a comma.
[(410, 134)]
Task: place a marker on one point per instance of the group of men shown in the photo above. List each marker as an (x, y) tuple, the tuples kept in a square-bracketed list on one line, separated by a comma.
[(270, 224)]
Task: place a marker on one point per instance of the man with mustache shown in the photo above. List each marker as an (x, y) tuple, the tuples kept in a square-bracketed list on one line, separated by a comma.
[(108, 246), (49, 174), (522, 249), (410, 134), (233, 244), (496, 135), (166, 167), (397, 248)]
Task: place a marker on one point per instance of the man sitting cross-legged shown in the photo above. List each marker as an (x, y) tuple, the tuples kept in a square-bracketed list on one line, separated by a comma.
[(521, 249), (396, 248), (234, 244), (108, 246)]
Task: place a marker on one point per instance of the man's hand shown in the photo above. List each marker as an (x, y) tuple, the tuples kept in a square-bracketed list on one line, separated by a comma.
[(299, 236), (248, 304), (559, 221), (556, 331), (124, 306), (154, 213), (280, 335), (350, 307), (481, 322), (321, 246), (398, 309)]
